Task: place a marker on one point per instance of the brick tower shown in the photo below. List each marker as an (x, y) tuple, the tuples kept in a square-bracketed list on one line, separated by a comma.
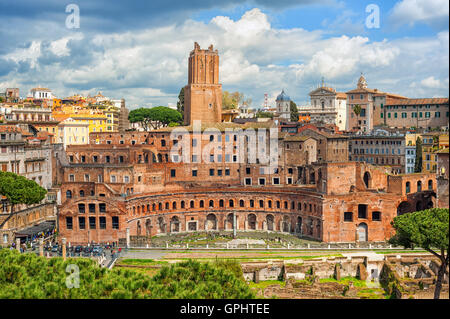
[(203, 94)]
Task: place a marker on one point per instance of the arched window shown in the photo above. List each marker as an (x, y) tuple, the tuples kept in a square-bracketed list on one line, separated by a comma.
[(231, 203), (182, 204), (153, 206), (167, 205), (408, 187), (160, 206), (81, 193), (430, 184), (69, 194), (174, 205), (192, 204), (285, 205), (419, 186), (299, 206), (202, 203), (261, 203), (211, 203), (241, 203), (221, 203)]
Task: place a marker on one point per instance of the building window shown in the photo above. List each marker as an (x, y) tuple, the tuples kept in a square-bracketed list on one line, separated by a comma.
[(172, 173), (115, 222), (68, 194), (194, 173), (276, 181), (92, 208), (262, 181), (102, 222), (348, 216), (102, 207), (69, 224), (248, 181), (211, 172), (376, 216), (81, 223), (81, 208), (362, 211)]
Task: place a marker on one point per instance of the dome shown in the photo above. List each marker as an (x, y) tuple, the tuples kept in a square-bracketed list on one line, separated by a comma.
[(283, 97)]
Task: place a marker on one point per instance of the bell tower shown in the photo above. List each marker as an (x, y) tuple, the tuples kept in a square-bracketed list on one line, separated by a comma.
[(203, 94)]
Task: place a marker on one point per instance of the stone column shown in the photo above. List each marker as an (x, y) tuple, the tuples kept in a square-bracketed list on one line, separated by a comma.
[(18, 244), (64, 248), (41, 247), (128, 237), (234, 224), (264, 225)]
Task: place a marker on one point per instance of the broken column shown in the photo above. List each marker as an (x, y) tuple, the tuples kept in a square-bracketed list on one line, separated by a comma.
[(41, 247), (128, 237), (64, 248)]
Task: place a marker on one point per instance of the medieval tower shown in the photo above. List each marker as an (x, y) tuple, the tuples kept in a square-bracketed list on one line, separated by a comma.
[(203, 94)]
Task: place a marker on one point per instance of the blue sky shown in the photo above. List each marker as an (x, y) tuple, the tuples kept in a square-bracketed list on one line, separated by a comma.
[(138, 50)]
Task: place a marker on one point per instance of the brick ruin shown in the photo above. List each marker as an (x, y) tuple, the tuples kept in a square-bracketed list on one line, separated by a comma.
[(402, 277), (130, 180)]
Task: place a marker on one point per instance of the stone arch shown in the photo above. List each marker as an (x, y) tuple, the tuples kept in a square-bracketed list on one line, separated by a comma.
[(138, 228), (251, 220), (299, 224), (367, 179), (148, 227), (318, 228), (270, 222), (362, 232), (174, 224), (285, 224), (229, 223), (161, 225), (211, 222), (403, 208), (419, 205)]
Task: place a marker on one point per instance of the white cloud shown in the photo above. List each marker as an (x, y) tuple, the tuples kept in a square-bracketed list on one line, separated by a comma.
[(413, 11), (148, 67), (431, 82)]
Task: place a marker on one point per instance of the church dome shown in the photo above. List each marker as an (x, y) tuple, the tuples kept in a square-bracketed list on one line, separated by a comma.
[(283, 97)]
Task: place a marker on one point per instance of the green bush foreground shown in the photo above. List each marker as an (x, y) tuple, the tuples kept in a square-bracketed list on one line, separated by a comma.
[(32, 277)]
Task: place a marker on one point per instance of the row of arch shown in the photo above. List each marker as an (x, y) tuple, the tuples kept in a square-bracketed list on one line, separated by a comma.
[(303, 225), (222, 203)]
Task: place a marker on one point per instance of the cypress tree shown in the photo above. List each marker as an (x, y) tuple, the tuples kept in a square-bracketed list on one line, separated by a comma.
[(418, 164)]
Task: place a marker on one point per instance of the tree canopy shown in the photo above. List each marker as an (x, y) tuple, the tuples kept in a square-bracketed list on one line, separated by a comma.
[(33, 277), (428, 229), (418, 162), (294, 111), (20, 190), (261, 114), (180, 103), (232, 100), (154, 117)]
